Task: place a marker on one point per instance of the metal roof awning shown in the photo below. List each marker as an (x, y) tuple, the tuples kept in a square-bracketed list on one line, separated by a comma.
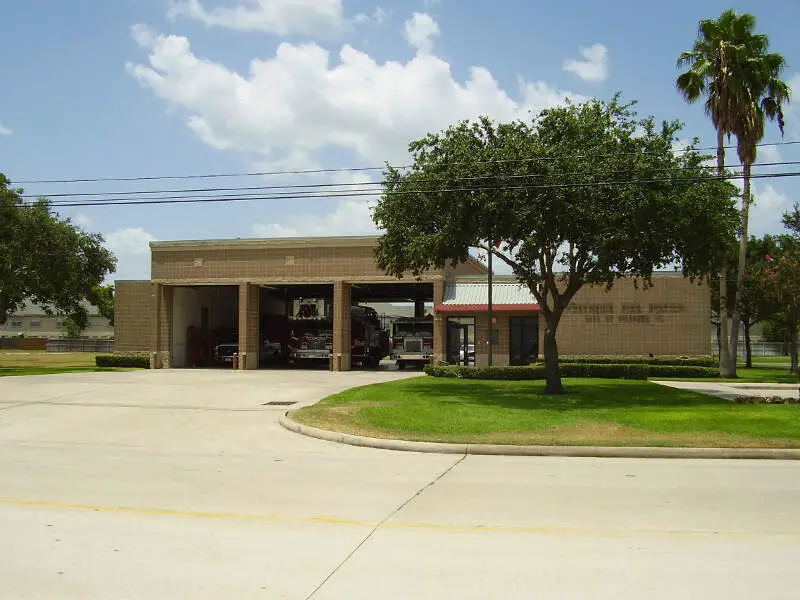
[(474, 297)]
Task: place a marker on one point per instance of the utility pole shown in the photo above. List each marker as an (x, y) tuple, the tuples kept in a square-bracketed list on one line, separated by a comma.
[(489, 304)]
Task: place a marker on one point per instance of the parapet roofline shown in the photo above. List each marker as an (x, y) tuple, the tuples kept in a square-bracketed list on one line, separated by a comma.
[(503, 278), (289, 242)]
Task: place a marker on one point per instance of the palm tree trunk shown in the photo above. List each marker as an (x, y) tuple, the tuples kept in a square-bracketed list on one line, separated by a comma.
[(725, 367), (742, 263)]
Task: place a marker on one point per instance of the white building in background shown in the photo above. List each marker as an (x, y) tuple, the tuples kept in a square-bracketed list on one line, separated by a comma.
[(31, 321)]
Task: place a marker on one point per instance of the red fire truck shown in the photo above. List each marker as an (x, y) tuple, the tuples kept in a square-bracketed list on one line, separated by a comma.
[(311, 333)]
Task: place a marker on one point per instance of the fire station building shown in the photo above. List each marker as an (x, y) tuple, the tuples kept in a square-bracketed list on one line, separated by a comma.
[(253, 293)]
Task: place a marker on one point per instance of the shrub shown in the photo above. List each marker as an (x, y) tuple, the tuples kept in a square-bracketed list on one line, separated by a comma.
[(684, 361), (126, 362), (688, 372), (596, 371)]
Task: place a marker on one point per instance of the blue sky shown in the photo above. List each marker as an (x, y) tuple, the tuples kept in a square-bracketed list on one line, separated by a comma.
[(166, 87)]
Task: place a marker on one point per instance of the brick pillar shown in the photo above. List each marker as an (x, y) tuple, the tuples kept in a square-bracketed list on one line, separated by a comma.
[(155, 311), (160, 357), (248, 326), (439, 323), (342, 342)]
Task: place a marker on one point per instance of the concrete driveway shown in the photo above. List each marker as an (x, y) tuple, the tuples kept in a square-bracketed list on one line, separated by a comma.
[(181, 484)]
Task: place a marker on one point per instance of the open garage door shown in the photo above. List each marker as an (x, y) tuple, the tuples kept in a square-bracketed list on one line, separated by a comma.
[(205, 325)]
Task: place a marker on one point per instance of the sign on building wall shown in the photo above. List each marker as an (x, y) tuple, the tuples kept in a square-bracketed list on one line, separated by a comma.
[(626, 313), (309, 308)]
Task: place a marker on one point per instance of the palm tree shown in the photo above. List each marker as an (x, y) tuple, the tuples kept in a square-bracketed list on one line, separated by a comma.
[(729, 65), (765, 96)]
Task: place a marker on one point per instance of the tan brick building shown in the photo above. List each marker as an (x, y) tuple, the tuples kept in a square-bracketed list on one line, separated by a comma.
[(244, 288)]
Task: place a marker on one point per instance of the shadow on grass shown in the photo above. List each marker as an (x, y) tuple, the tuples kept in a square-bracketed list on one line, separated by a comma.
[(581, 394)]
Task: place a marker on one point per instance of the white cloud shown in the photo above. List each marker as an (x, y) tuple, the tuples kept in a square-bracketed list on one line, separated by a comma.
[(5, 130), (298, 103), (82, 220), (276, 16), (420, 31), (131, 246), (595, 65), (432, 3), (766, 211), (378, 17), (768, 154), (351, 216), (679, 146)]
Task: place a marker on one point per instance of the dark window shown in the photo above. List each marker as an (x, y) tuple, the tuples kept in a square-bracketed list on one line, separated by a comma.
[(524, 347)]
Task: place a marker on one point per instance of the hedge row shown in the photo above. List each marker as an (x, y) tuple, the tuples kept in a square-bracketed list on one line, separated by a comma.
[(126, 362), (681, 361), (596, 371)]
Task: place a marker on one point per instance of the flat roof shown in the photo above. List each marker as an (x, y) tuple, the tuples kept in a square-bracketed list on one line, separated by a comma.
[(290, 242)]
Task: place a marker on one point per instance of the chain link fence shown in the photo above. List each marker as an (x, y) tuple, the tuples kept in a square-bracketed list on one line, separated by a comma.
[(80, 345), (759, 349)]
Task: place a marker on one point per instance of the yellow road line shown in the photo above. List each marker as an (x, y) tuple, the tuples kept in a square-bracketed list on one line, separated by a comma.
[(343, 521)]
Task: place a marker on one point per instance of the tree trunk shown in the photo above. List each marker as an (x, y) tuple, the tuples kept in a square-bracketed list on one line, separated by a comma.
[(726, 369), (742, 263), (552, 370), (719, 341), (748, 348), (793, 346), (3, 309)]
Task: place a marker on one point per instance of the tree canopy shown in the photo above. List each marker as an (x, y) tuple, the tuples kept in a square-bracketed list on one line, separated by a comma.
[(103, 298), (583, 194), (756, 301), (791, 220), (47, 259), (780, 278)]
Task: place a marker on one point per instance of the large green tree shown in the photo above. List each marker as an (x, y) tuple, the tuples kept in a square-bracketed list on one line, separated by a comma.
[(756, 302), (47, 259), (791, 220), (103, 298), (584, 194), (781, 279), (731, 67)]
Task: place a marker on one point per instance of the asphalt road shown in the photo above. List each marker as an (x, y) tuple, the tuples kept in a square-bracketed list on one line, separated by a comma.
[(181, 484)]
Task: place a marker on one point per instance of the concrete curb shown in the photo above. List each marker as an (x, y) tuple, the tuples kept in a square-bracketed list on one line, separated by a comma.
[(509, 450)]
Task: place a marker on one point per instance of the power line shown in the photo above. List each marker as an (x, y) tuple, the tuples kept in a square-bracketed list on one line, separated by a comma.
[(362, 169), (336, 186), (356, 194)]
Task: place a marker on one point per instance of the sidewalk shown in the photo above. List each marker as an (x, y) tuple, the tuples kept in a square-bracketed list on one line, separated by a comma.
[(730, 391)]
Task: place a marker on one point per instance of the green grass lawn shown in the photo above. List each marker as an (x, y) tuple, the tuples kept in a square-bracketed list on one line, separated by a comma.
[(20, 362), (594, 412), (21, 371), (769, 360)]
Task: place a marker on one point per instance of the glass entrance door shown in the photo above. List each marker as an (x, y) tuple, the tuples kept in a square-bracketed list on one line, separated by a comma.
[(524, 340), (461, 341)]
